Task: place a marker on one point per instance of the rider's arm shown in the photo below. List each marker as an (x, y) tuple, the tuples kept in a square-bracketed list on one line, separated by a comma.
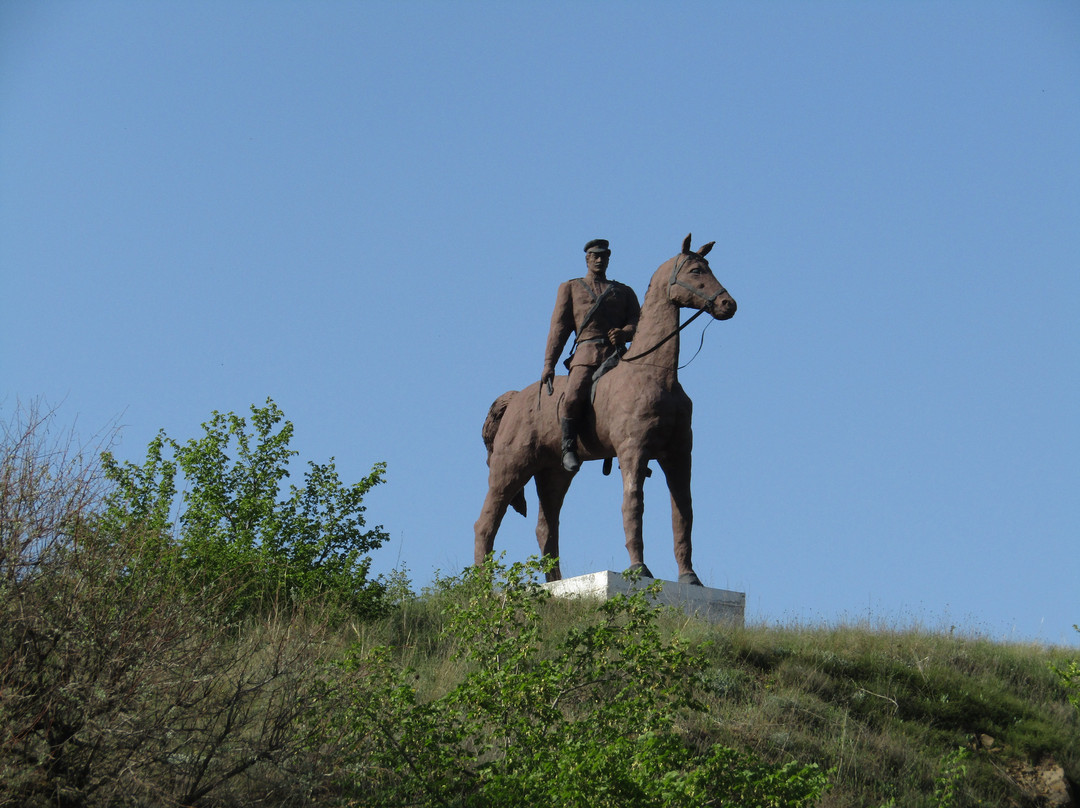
[(562, 325), (631, 311)]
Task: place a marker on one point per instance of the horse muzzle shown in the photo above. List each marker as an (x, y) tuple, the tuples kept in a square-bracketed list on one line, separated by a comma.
[(723, 308)]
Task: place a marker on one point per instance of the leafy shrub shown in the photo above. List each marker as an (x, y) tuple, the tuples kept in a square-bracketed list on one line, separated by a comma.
[(120, 683), (1068, 674), (233, 528), (591, 723)]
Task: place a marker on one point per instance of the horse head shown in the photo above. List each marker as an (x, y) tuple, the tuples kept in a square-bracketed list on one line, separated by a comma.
[(691, 283)]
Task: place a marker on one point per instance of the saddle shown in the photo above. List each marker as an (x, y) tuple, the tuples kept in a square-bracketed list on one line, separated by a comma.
[(604, 367)]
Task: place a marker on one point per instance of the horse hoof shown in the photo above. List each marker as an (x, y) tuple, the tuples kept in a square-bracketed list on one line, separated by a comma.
[(641, 570), (690, 578)]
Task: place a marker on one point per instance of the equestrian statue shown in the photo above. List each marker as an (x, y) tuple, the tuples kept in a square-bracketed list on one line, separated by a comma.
[(639, 410)]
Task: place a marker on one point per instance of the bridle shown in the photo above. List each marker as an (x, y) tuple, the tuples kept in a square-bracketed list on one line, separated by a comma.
[(675, 281)]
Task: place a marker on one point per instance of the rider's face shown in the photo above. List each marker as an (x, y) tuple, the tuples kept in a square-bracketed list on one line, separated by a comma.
[(597, 261)]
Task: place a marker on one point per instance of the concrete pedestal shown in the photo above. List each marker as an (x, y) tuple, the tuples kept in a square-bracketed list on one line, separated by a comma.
[(716, 605)]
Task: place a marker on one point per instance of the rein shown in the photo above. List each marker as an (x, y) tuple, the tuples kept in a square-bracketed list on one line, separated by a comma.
[(673, 282)]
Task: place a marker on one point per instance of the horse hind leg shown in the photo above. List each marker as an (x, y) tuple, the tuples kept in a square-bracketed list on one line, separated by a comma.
[(503, 489), (551, 487)]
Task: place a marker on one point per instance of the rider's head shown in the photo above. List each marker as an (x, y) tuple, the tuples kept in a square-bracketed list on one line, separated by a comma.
[(597, 255)]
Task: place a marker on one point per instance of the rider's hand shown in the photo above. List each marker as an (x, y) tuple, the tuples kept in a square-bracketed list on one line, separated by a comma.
[(617, 337), (548, 376)]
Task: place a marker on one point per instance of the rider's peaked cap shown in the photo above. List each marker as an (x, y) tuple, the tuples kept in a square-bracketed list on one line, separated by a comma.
[(598, 245)]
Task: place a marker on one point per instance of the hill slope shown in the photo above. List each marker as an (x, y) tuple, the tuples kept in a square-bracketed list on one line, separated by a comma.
[(895, 716)]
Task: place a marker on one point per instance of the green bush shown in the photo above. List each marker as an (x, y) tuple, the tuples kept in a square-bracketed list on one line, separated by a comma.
[(1068, 674), (234, 528), (587, 722), (121, 683)]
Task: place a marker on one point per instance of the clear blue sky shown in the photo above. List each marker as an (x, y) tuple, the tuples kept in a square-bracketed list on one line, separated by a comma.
[(363, 210)]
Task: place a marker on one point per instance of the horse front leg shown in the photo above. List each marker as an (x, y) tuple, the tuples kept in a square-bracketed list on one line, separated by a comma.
[(677, 472), (634, 467)]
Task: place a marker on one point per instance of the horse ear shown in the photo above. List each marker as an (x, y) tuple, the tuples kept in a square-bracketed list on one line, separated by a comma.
[(686, 244), (703, 251)]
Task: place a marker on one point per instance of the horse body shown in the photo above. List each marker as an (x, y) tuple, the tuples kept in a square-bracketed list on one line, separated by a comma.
[(640, 413)]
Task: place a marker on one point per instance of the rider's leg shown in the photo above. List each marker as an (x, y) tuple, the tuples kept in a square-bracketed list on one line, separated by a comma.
[(577, 392)]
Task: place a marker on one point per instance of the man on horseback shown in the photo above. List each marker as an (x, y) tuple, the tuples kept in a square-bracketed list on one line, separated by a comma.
[(604, 316)]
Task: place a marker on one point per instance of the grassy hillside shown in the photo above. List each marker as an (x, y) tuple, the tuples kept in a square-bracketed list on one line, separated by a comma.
[(242, 656), (118, 689), (896, 717)]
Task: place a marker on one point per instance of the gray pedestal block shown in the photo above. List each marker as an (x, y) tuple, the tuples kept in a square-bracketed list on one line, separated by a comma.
[(716, 605)]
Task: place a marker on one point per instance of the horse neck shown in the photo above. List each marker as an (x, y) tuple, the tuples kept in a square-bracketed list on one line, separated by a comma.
[(659, 318)]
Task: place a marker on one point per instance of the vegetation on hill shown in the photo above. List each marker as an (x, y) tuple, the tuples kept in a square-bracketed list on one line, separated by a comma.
[(227, 646), (235, 529)]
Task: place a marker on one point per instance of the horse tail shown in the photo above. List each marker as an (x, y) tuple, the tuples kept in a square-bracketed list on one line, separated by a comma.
[(491, 429), (494, 418)]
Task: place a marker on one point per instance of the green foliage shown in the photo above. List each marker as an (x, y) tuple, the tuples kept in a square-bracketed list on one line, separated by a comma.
[(948, 783), (119, 683), (588, 719), (235, 527), (1069, 675), (129, 675)]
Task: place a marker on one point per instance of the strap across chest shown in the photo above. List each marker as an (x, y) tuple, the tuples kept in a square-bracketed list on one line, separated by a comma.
[(597, 300)]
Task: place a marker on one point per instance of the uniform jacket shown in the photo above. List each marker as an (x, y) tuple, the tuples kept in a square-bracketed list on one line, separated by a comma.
[(620, 309)]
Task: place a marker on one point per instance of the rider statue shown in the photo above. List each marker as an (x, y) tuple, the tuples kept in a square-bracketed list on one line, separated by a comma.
[(604, 314)]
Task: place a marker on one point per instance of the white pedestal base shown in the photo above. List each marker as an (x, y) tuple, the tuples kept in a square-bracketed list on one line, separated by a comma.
[(716, 605)]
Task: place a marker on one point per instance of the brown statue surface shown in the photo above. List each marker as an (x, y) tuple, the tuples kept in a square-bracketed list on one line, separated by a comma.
[(640, 413), (604, 314)]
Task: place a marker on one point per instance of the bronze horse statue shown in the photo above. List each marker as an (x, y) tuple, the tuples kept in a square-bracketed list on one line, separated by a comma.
[(640, 413)]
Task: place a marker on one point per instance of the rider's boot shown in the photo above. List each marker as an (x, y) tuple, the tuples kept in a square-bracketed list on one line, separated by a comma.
[(569, 444)]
